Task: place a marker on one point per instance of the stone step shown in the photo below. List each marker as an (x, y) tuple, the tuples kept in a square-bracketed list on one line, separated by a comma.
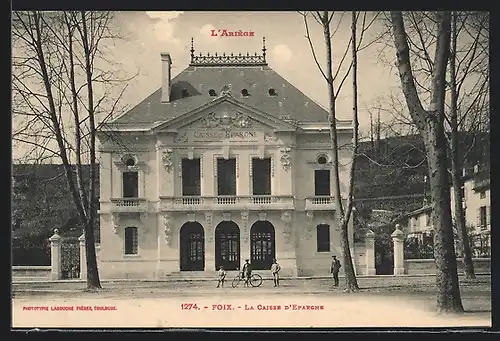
[(30, 279)]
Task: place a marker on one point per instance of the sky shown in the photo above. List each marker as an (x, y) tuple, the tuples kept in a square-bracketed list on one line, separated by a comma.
[(288, 52), (145, 35)]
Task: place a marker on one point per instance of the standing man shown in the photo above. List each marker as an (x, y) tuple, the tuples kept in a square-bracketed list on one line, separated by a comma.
[(246, 272), (334, 269), (275, 269)]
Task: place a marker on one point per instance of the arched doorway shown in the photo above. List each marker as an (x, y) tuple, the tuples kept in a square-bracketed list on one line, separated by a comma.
[(227, 245), (192, 247), (262, 246)]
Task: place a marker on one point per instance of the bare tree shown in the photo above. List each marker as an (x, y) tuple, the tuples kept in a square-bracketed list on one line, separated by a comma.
[(430, 123), (467, 105), (62, 87), (343, 206), (463, 65)]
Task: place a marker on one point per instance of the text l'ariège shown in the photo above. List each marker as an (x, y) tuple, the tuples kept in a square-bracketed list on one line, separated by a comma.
[(226, 33)]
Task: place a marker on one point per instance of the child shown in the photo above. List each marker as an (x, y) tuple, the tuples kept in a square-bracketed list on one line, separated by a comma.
[(275, 269), (222, 277)]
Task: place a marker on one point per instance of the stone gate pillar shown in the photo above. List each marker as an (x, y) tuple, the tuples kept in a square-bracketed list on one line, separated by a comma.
[(398, 240), (83, 257), (55, 255), (370, 253)]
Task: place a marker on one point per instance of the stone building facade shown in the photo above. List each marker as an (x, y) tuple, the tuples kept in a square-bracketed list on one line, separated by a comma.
[(225, 162)]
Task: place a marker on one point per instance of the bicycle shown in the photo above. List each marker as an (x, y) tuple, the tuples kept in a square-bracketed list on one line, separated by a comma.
[(255, 280)]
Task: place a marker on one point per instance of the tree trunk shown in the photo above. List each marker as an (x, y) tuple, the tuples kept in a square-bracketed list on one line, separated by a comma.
[(93, 281), (448, 297), (431, 126), (378, 135), (456, 160), (460, 223), (341, 217), (372, 141), (350, 275), (351, 283)]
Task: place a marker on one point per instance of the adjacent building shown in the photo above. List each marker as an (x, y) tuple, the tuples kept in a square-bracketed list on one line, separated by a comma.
[(227, 161), (477, 208), (476, 199)]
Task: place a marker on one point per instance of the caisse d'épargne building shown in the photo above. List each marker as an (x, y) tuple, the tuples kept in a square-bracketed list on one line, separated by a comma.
[(227, 161)]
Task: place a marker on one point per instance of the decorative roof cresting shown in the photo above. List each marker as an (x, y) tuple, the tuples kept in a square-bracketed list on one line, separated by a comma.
[(231, 59)]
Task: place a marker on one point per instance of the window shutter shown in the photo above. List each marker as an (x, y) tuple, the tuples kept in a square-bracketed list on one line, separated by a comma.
[(488, 215), (478, 217)]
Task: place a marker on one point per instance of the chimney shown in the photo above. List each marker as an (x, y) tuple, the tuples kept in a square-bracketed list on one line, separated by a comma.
[(166, 69)]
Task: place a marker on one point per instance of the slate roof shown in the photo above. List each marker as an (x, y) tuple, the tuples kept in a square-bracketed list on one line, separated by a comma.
[(198, 80)]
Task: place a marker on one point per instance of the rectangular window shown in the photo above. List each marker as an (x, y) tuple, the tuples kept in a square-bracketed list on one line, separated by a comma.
[(226, 177), (323, 237), (131, 240), (191, 177), (322, 182), (413, 224), (482, 216), (482, 194), (261, 176), (130, 185)]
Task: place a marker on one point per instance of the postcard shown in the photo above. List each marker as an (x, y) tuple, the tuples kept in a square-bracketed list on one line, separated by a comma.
[(250, 169)]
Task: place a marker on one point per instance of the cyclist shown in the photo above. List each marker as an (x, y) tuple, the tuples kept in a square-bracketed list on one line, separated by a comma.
[(246, 272)]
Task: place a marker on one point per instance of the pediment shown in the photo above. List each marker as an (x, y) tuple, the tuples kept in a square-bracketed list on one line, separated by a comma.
[(227, 115), (225, 120)]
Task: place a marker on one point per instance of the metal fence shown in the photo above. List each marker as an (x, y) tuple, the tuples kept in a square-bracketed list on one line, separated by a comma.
[(70, 258), (481, 244), (420, 245)]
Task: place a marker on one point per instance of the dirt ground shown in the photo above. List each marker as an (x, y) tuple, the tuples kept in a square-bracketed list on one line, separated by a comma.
[(389, 302)]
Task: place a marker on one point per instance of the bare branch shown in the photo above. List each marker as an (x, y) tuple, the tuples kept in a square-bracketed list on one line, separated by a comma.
[(313, 51)]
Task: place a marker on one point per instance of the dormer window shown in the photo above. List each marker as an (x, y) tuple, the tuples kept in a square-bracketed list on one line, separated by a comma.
[(184, 93), (272, 92), (212, 93), (244, 93)]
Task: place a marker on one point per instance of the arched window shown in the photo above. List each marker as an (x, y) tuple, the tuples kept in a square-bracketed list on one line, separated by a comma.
[(272, 92), (323, 237), (212, 93), (131, 240)]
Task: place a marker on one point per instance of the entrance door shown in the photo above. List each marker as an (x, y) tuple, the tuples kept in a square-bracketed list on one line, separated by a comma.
[(192, 247), (227, 245), (262, 245), (384, 259)]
